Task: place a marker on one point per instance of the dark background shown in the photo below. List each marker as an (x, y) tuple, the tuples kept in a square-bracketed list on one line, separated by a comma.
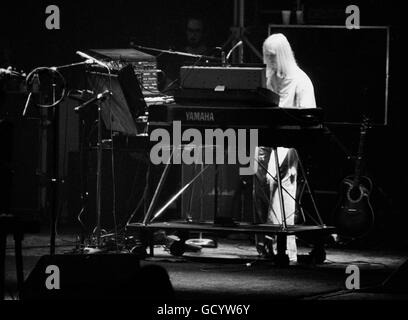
[(26, 44)]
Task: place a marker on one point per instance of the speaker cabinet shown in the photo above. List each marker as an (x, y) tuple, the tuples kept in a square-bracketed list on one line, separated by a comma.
[(122, 187), (198, 202), (95, 277), (25, 182)]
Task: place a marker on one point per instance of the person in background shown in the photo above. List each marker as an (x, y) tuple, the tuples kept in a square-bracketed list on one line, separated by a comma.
[(295, 90), (193, 42), (196, 36)]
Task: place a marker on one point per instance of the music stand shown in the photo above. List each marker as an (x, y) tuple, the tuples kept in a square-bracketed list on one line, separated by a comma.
[(127, 104), (119, 113)]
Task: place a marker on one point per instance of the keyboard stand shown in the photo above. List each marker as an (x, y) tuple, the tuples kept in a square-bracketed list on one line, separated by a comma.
[(149, 217), (318, 251), (148, 226)]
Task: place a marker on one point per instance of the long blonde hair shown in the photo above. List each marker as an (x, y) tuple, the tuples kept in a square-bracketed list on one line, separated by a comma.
[(279, 45)]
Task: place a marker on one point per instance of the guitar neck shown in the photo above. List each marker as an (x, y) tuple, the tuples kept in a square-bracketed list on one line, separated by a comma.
[(359, 162)]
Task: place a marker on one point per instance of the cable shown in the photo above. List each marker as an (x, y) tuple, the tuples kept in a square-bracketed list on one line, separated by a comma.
[(113, 165), (113, 182), (84, 140), (85, 144), (361, 262), (133, 189), (344, 292), (144, 197)]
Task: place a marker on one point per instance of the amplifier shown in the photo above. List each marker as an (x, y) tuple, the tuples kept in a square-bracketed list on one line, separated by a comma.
[(223, 78)]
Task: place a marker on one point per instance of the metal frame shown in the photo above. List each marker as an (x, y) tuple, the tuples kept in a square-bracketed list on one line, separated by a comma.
[(238, 32), (282, 231)]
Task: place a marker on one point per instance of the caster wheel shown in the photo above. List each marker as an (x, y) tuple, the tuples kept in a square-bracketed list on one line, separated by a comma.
[(177, 248), (318, 255), (282, 260), (139, 251)]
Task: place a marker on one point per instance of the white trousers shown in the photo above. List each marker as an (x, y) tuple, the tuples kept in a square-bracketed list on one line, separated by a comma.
[(288, 162)]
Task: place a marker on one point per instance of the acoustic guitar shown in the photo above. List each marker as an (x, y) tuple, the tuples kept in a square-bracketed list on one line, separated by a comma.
[(354, 216)]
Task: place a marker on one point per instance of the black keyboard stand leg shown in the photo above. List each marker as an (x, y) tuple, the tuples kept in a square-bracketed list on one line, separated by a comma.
[(318, 253), (18, 238), (282, 259), (147, 241), (3, 242), (151, 243)]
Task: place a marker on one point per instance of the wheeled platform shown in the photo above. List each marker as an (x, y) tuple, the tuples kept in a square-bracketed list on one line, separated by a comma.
[(317, 233)]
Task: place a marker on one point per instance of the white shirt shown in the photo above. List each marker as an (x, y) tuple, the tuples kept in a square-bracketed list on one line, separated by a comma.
[(295, 90)]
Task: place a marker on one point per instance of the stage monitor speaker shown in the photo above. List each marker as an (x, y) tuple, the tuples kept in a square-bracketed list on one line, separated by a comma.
[(95, 277)]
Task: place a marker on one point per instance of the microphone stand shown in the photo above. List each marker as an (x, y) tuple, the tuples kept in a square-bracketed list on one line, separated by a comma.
[(55, 179), (99, 178), (28, 101), (47, 119), (99, 148), (97, 100), (177, 53), (71, 65)]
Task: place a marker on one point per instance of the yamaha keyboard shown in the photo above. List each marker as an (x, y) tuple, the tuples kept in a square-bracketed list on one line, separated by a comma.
[(282, 126), (235, 117)]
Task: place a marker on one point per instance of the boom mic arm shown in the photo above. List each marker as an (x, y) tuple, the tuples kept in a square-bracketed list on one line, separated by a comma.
[(101, 96), (88, 57), (240, 43)]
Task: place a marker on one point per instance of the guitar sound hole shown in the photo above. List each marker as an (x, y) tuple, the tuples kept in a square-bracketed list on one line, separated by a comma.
[(355, 194)]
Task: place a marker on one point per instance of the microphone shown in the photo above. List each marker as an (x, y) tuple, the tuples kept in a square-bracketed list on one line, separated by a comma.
[(223, 59), (88, 57), (35, 89), (27, 103), (233, 49), (101, 96)]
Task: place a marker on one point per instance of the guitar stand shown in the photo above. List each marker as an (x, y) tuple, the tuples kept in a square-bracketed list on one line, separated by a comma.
[(281, 231)]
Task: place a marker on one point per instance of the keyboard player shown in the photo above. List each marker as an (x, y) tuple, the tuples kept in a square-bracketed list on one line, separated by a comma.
[(296, 90)]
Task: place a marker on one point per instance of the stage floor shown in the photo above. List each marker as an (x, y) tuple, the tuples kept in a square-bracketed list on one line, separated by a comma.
[(234, 270)]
